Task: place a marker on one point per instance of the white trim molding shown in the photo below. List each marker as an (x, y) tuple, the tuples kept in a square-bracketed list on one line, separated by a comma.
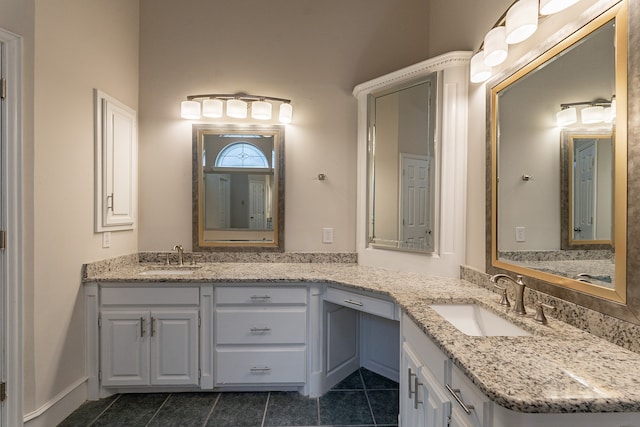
[(451, 133), (12, 223), (58, 408)]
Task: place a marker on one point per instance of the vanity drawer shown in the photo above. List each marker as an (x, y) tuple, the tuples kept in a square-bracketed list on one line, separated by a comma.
[(260, 295), (269, 326), (150, 296), (376, 306), (261, 366)]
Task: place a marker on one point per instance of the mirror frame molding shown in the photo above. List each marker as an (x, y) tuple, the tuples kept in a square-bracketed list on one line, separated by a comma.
[(277, 245), (623, 305)]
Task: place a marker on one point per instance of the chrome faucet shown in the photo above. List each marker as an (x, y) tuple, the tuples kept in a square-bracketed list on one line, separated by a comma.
[(519, 308), (180, 254)]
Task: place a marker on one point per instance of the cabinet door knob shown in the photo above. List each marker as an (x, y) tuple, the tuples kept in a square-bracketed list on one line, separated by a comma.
[(455, 392)]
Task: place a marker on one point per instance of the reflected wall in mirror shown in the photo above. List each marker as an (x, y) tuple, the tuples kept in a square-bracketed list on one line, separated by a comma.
[(586, 188), (530, 223), (238, 188), (402, 166)]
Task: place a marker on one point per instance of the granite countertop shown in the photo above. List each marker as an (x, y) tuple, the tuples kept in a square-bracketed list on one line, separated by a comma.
[(558, 369)]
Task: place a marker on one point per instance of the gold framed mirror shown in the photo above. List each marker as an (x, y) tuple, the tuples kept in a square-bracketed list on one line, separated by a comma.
[(524, 216), (238, 188)]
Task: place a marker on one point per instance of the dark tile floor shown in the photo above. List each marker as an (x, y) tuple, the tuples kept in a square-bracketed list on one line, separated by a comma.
[(362, 399)]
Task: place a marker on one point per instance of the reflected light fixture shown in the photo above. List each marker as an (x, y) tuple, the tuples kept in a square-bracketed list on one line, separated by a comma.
[(548, 7), (521, 21), (592, 112), (237, 106)]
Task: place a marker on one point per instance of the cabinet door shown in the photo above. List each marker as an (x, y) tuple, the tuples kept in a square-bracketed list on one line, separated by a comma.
[(174, 347), (437, 406), (124, 348), (412, 413)]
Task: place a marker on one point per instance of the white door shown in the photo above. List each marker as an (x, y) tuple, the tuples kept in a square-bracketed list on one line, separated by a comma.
[(584, 190), (256, 204), (415, 229), (435, 400), (174, 347), (412, 412), (124, 348), (224, 203)]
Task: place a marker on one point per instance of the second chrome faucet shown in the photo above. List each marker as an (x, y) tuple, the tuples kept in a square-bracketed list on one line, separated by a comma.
[(520, 286)]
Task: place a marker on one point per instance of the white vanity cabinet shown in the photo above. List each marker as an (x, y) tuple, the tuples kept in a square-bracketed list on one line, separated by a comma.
[(155, 335), (433, 392), (261, 336)]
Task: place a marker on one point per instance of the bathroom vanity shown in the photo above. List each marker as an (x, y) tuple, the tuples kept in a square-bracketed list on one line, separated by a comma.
[(250, 326)]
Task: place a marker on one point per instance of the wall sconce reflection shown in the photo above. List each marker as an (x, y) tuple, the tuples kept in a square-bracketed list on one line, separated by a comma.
[(592, 112)]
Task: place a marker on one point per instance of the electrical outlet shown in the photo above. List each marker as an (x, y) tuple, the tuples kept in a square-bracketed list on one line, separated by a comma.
[(106, 239), (327, 235), (520, 234)]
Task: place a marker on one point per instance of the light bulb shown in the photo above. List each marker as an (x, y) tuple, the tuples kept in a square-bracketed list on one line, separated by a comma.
[(212, 108), (261, 110), (549, 7), (479, 71), (495, 47), (566, 117), (237, 108), (286, 113), (190, 110), (521, 21)]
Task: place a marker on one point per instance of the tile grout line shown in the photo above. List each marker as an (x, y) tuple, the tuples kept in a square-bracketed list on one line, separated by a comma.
[(105, 410), (366, 395), (164, 402), (215, 403), (266, 405)]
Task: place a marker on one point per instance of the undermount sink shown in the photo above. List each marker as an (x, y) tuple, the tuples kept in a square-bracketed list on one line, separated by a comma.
[(474, 320), (168, 272)]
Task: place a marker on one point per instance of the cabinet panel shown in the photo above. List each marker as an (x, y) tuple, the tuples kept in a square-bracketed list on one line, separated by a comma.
[(149, 296), (256, 295), (116, 164), (174, 347), (260, 365), (124, 348), (275, 326)]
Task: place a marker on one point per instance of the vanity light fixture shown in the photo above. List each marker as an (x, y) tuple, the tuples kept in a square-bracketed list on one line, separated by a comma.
[(598, 111), (518, 23), (237, 106)]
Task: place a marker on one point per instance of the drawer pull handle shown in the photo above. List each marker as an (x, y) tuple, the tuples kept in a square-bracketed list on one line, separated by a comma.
[(153, 329), (409, 381), (260, 330), (257, 298), (260, 370), (141, 327), (416, 384), (352, 302), (455, 393)]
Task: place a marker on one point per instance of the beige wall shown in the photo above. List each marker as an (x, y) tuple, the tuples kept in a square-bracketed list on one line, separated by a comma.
[(79, 46), (313, 53)]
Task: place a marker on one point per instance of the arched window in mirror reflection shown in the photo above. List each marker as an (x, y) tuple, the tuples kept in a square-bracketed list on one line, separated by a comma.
[(241, 155)]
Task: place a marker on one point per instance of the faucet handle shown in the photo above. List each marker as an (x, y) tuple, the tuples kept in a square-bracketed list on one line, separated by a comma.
[(539, 316), (503, 300)]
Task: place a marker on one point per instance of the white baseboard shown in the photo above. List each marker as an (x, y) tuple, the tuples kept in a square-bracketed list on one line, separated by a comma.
[(60, 407)]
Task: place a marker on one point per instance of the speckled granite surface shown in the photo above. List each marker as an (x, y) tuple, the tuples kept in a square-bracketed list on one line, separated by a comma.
[(558, 369)]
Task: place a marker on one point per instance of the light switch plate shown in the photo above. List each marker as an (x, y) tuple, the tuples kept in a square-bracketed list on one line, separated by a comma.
[(520, 234), (106, 239), (327, 235)]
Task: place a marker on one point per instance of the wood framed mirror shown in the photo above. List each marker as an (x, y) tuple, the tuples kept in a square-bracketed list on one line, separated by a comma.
[(238, 188), (523, 168)]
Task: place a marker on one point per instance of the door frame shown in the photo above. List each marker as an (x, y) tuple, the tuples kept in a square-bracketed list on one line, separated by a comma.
[(12, 276)]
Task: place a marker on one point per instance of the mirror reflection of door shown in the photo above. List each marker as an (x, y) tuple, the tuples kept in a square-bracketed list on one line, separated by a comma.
[(592, 180), (414, 224), (256, 204)]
